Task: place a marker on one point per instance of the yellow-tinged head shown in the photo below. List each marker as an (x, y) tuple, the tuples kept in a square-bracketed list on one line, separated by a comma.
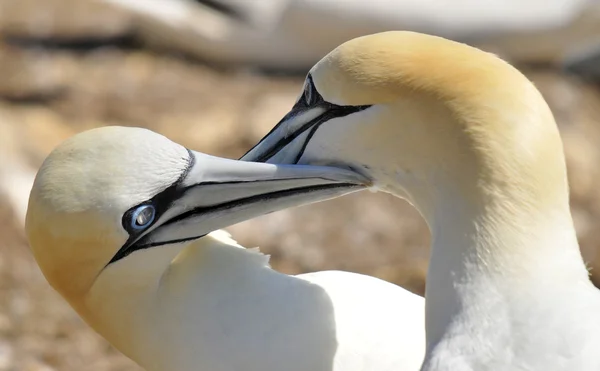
[(82, 191), (418, 113), (472, 144), (106, 196)]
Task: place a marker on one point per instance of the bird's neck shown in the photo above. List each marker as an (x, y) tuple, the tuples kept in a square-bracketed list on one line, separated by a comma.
[(488, 251), (122, 301), (138, 303)]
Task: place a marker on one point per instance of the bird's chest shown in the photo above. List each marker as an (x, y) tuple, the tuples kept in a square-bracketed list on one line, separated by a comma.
[(539, 336), (258, 320)]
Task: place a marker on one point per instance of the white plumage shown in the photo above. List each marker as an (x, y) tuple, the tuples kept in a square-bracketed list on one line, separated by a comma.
[(172, 300), (224, 308), (471, 143)]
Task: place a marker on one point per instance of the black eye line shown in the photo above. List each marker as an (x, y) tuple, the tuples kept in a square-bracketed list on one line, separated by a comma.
[(314, 97), (163, 200), (316, 124), (161, 203), (307, 95), (237, 203), (134, 244), (298, 108), (331, 111)]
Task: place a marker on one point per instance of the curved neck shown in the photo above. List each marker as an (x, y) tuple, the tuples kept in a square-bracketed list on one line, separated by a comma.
[(487, 253), (211, 295), (122, 300), (494, 193)]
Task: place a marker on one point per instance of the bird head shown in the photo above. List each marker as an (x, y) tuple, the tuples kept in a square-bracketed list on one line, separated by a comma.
[(111, 196), (426, 118)]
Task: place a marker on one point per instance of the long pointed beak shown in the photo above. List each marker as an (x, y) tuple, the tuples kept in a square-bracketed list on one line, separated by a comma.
[(286, 142), (215, 193)]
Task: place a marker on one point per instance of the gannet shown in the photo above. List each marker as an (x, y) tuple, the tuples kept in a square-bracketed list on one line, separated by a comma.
[(291, 35), (115, 220), (471, 143)]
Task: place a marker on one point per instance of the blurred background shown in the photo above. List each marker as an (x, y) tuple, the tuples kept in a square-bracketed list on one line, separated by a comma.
[(215, 76)]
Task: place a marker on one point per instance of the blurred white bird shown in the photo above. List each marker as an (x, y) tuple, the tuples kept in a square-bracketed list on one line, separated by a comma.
[(293, 35)]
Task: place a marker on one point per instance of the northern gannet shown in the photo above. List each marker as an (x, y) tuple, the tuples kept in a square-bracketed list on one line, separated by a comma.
[(471, 143), (115, 220)]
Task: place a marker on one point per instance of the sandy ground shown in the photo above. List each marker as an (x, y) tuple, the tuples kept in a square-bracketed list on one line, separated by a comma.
[(49, 91)]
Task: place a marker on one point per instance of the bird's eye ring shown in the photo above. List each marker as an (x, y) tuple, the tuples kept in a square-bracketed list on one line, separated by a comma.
[(142, 217)]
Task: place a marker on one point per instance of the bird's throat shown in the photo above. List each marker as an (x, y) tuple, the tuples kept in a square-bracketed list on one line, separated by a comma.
[(483, 256)]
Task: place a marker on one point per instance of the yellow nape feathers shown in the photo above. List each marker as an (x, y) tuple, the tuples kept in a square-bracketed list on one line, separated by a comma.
[(496, 115)]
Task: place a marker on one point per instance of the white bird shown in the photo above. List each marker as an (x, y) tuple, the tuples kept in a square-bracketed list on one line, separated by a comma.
[(294, 34), (472, 144), (115, 221)]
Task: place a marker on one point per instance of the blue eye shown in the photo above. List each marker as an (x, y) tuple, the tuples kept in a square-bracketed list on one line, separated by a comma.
[(142, 217)]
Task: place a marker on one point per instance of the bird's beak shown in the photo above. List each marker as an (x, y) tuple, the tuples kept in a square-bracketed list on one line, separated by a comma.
[(215, 193), (286, 142)]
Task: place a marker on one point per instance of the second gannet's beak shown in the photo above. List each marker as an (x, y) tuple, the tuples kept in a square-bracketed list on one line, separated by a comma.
[(286, 142), (215, 193)]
